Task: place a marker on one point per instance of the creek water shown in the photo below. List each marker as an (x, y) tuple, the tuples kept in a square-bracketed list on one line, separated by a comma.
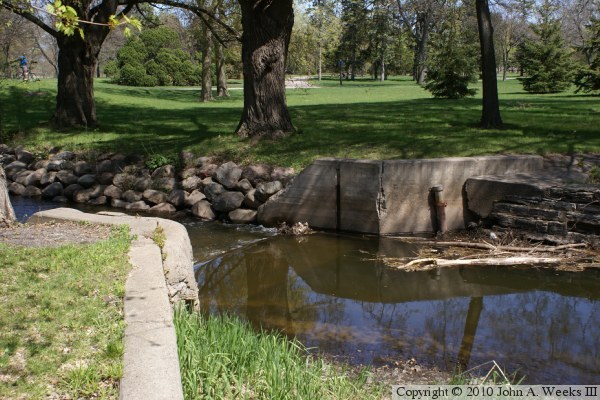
[(334, 294)]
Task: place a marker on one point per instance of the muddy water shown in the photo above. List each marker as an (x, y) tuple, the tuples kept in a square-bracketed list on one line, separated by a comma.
[(332, 293)]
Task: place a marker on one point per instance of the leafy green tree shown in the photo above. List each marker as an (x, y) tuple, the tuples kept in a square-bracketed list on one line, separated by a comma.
[(545, 59), (587, 78), (453, 61), (353, 43)]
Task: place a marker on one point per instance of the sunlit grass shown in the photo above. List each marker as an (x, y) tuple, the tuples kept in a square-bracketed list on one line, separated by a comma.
[(360, 119), (61, 318)]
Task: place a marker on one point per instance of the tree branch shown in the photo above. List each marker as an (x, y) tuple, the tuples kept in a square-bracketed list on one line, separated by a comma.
[(30, 17)]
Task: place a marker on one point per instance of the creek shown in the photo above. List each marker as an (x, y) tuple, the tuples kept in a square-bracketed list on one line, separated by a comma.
[(333, 293)]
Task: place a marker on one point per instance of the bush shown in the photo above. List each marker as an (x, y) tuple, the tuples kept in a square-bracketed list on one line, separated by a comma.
[(111, 70), (587, 78), (135, 75)]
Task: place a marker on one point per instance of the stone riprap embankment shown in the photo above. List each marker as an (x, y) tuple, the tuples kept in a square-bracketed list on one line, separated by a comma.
[(203, 187)]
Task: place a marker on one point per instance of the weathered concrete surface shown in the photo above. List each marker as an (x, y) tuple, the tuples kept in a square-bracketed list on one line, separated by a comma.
[(151, 364), (384, 197)]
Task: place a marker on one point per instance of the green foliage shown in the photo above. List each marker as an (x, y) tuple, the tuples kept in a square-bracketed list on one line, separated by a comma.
[(155, 57), (111, 69), (157, 160), (453, 61), (587, 78), (221, 357), (545, 60)]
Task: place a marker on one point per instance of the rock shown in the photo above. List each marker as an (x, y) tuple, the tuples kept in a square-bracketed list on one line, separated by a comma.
[(212, 190), (106, 178), (154, 196), (98, 191), (87, 181), (113, 192), (203, 161), (4, 148), (192, 183), (82, 168), (21, 176), (60, 199), (124, 181), (257, 173), (71, 190), (59, 165), (53, 190), (186, 157), (166, 171), (244, 186), (83, 196), (188, 172), (163, 208), (143, 183), (203, 210), (35, 177), (177, 197), (131, 196), (16, 166), (41, 164), (104, 166), (64, 155), (98, 201), (194, 197), (31, 191), (165, 184), (242, 216), (6, 159), (250, 200), (24, 156), (207, 171), (16, 188), (118, 162), (134, 158), (138, 205), (48, 178), (284, 175), (228, 175), (264, 190), (228, 201), (117, 203), (66, 177)]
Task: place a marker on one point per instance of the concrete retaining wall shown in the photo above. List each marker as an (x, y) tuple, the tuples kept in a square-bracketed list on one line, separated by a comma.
[(384, 197)]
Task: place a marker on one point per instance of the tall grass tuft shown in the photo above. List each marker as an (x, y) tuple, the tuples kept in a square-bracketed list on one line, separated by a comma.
[(222, 357)]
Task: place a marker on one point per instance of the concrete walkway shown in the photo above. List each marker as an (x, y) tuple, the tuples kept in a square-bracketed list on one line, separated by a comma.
[(151, 364)]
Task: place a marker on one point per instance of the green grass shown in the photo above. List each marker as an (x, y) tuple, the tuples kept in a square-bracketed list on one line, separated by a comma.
[(61, 318), (362, 119), (221, 357)]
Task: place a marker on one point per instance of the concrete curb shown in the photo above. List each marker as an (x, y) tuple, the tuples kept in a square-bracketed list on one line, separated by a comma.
[(151, 364)]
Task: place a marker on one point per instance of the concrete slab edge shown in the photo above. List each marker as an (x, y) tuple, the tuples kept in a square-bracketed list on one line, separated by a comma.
[(151, 363)]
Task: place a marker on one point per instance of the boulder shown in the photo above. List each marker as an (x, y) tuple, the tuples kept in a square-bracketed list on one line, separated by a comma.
[(16, 188), (257, 173), (250, 200), (4, 148), (192, 183), (48, 178), (53, 190), (206, 182), (35, 177), (242, 216), (24, 156), (203, 210), (71, 190), (137, 206), (98, 191), (177, 197), (124, 181), (6, 159), (284, 175), (16, 166), (87, 181), (207, 171), (165, 184), (264, 190), (106, 178), (194, 197), (188, 172), (113, 192), (64, 155), (21, 176), (98, 201), (163, 208), (117, 203), (203, 161), (67, 177), (154, 196), (59, 165), (31, 191), (228, 201), (83, 196), (41, 164), (244, 186), (212, 190), (82, 168), (166, 171), (142, 183), (228, 175), (104, 166), (131, 196)]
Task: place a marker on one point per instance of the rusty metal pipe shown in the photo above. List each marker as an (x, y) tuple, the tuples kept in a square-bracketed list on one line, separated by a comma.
[(440, 207)]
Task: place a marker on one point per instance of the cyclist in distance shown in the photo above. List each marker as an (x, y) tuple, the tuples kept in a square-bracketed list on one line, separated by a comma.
[(24, 66)]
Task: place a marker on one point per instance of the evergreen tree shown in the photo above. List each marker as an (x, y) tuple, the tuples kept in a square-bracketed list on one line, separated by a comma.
[(355, 24), (453, 61), (588, 78), (545, 59)]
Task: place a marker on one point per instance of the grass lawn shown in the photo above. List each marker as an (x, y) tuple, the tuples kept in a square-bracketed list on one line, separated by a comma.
[(61, 320), (362, 119)]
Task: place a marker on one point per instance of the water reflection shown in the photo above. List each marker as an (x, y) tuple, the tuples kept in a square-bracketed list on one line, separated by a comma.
[(333, 294)]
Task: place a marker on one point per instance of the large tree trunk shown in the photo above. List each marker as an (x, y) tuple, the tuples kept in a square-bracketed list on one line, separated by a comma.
[(490, 115), (267, 26), (77, 57), (422, 39), (206, 93), (7, 214), (222, 90)]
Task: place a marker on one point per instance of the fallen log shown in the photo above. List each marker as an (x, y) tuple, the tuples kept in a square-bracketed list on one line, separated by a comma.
[(429, 263), (487, 246)]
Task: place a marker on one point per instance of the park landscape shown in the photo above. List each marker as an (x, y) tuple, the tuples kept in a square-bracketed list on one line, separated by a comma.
[(355, 116)]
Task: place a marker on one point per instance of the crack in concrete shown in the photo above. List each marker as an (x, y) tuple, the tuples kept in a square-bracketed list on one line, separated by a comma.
[(381, 201)]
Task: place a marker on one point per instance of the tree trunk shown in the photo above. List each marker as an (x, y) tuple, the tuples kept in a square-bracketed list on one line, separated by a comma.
[(222, 90), (77, 57), (490, 115), (267, 27), (7, 214), (420, 58), (206, 93)]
